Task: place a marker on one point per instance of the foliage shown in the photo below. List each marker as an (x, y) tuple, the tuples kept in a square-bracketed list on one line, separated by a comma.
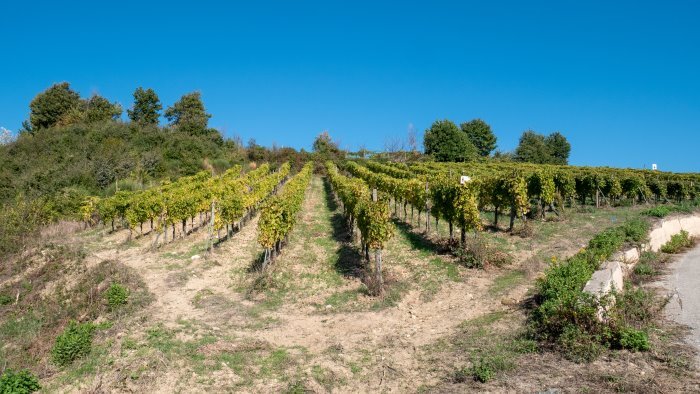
[(636, 340), (279, 214), (446, 142), (19, 220), (73, 343), (22, 382), (49, 106), (188, 114), (99, 109), (536, 148), (117, 295), (147, 107), (677, 242), (325, 148), (481, 135), (571, 318), (559, 148), (578, 345)]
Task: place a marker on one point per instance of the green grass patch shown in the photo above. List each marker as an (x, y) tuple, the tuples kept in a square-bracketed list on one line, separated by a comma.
[(506, 282)]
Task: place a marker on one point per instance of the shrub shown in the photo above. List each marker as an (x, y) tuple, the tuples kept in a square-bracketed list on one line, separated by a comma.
[(578, 345), (22, 382), (634, 340), (73, 343), (635, 306), (571, 318), (117, 295), (677, 242)]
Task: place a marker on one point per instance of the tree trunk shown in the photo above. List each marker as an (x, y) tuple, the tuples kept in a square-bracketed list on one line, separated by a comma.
[(512, 219), (463, 236), (495, 216), (451, 230)]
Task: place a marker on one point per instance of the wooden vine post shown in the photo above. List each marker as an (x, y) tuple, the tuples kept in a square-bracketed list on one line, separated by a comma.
[(427, 210), (211, 226), (378, 251)]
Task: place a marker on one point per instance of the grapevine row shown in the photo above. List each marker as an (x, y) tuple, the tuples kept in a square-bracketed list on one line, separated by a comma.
[(278, 214), (369, 211), (229, 197)]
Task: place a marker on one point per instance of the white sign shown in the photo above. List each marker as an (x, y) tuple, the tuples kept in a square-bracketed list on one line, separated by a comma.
[(653, 167), (464, 179)]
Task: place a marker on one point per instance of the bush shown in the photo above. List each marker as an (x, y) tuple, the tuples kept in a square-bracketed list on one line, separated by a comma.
[(578, 345), (571, 318), (22, 382), (117, 295), (73, 343), (677, 242), (634, 340)]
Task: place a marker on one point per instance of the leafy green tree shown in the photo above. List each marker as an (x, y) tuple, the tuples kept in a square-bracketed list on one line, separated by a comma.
[(49, 106), (446, 142), (99, 109), (146, 108), (481, 135), (532, 148), (188, 115), (559, 148), (325, 148), (538, 149)]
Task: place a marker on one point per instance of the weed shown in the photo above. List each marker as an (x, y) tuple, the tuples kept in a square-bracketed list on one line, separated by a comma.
[(634, 340), (22, 382), (677, 243), (73, 343), (486, 367), (117, 295), (644, 269)]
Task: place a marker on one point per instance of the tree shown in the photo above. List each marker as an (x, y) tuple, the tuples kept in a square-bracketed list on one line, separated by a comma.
[(188, 115), (536, 148), (559, 148), (480, 134), (49, 106), (147, 107), (446, 142), (99, 109), (532, 148)]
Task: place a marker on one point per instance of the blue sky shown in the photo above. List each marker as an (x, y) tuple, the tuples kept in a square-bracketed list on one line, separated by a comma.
[(620, 79)]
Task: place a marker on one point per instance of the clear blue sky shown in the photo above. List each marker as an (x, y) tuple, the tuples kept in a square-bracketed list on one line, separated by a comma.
[(621, 79)]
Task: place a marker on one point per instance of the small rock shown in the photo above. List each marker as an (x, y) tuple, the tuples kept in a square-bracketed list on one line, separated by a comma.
[(195, 257), (329, 306)]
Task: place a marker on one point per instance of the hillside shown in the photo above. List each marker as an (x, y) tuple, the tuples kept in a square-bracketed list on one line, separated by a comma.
[(164, 314)]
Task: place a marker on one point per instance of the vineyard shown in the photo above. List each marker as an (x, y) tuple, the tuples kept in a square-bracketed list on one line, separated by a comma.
[(343, 274)]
